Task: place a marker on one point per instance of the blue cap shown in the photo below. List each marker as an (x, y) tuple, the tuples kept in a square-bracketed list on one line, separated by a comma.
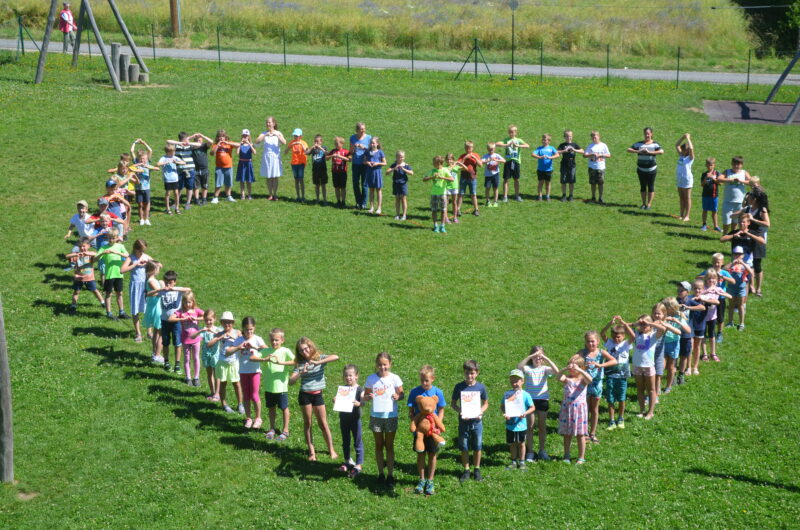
[(297, 132), (111, 182)]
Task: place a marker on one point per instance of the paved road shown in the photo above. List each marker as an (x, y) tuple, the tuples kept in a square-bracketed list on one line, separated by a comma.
[(440, 66)]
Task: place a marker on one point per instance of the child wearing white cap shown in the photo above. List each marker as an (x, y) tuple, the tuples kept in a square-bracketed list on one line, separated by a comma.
[(298, 147), (244, 169)]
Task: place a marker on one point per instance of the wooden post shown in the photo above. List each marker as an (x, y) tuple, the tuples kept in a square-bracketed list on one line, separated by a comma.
[(144, 78), (7, 433), (51, 19), (115, 56), (124, 63), (128, 37), (173, 16), (81, 24), (133, 73), (102, 46)]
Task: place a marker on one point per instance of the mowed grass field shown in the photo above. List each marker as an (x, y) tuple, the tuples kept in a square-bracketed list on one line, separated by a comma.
[(104, 439)]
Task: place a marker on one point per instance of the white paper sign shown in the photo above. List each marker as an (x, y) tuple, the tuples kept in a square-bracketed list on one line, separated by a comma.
[(382, 399), (470, 405), (344, 399), (515, 407)]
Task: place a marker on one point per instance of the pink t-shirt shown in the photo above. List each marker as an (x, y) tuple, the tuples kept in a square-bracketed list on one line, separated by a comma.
[(712, 293), (190, 327)]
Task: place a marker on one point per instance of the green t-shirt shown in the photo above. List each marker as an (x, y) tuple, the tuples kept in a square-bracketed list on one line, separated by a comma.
[(275, 377), (439, 185), (454, 171), (113, 262), (512, 151)]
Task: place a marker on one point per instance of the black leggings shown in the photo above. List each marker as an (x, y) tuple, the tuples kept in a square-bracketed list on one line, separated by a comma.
[(647, 181), (757, 265)]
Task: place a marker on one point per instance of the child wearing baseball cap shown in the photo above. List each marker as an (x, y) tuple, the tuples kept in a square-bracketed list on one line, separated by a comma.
[(516, 405)]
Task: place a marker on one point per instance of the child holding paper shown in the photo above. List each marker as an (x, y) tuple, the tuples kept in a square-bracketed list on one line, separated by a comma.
[(384, 389), (470, 400), (348, 405), (537, 368), (517, 404)]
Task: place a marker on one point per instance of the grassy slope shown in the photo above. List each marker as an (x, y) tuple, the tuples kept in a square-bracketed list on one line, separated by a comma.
[(105, 439)]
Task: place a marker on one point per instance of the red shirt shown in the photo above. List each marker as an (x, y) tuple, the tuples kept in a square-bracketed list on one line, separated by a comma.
[(337, 164), (471, 161)]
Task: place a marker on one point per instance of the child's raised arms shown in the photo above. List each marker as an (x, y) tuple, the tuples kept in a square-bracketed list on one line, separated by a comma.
[(688, 142), (562, 375), (142, 142)]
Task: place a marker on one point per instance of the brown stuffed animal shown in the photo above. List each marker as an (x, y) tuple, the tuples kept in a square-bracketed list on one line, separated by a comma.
[(427, 423)]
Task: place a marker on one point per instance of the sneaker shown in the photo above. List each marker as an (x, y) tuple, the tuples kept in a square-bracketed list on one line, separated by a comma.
[(643, 207), (396, 217), (570, 199), (110, 315), (547, 198), (196, 382), (176, 369), (667, 390), (518, 198), (621, 424), (681, 379), (704, 228), (522, 466), (488, 203), (430, 488), (227, 409), (495, 205), (371, 210), (420, 489), (600, 201), (436, 228), (717, 229), (740, 327), (390, 482), (512, 465), (403, 218), (566, 459), (156, 359), (612, 426), (476, 213), (215, 200), (231, 199), (455, 219), (141, 222), (563, 198), (240, 410), (123, 315), (188, 381), (464, 476), (543, 456), (167, 366), (505, 198), (476, 475), (178, 211), (729, 325), (442, 230), (378, 211), (73, 308), (719, 338), (530, 457), (539, 198)]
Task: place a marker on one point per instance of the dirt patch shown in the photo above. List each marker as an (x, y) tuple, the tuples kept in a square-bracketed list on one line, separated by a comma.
[(149, 85), (695, 109), (27, 495)]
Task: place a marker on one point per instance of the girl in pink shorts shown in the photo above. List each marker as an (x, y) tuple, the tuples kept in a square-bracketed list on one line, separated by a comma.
[(249, 346)]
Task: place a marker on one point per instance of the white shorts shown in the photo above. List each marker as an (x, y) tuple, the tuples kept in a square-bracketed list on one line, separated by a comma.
[(727, 209)]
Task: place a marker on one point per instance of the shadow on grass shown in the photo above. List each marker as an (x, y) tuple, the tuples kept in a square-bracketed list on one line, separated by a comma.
[(44, 266), (409, 226), (644, 213), (683, 235), (59, 308), (743, 478), (190, 404), (698, 251), (114, 356), (102, 331), (675, 225)]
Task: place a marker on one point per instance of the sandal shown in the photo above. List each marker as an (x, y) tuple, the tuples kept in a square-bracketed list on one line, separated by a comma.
[(593, 439), (704, 358), (716, 359), (283, 436), (270, 434), (343, 468), (354, 472)]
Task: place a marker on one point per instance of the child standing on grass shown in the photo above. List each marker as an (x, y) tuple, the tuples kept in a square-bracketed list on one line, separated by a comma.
[(567, 150), (545, 154), (375, 160), (672, 340), (645, 342), (596, 361), (276, 382), (188, 317), (227, 369), (491, 174), (81, 258), (152, 309), (350, 424), (310, 371), (741, 273), (171, 299), (112, 255), (713, 292), (572, 419), (709, 182), (169, 171), (439, 177), (470, 427), (248, 348), (339, 158), (698, 307), (687, 337), (400, 172), (319, 169), (726, 282), (616, 387), (451, 195), (427, 472), (597, 152), (512, 168), (469, 162), (382, 418), (209, 354), (80, 222), (659, 315), (244, 168), (142, 180), (684, 178), (298, 147), (223, 158), (516, 427), (135, 263), (200, 145), (537, 367)]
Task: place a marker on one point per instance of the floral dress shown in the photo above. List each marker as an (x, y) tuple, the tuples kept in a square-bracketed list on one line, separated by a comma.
[(574, 415)]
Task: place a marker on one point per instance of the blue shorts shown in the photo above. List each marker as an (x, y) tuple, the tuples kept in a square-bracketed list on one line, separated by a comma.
[(142, 196), (470, 435), (672, 349), (186, 179), (710, 204), (491, 181), (465, 183), (223, 176), (299, 171), (170, 332), (77, 285), (399, 188), (616, 389), (686, 346), (595, 389), (280, 400)]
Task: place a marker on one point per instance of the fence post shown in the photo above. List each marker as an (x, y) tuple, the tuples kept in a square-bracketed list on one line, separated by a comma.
[(283, 35), (678, 72), (541, 61), (7, 428), (412, 57), (476, 58), (173, 15), (21, 36), (749, 54), (347, 44), (608, 64), (513, 44), (219, 53), (153, 39)]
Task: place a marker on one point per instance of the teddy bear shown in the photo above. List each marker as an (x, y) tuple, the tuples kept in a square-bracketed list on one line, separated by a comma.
[(427, 423)]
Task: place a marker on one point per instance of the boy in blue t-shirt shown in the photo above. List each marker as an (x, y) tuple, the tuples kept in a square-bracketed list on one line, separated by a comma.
[(426, 473), (470, 426), (545, 154), (516, 426)]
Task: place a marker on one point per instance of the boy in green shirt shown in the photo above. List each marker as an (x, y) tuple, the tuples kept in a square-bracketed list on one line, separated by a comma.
[(276, 381), (111, 256), (440, 177), (512, 167)]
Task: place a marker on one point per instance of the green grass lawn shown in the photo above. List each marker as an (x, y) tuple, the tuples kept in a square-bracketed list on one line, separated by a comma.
[(105, 439)]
